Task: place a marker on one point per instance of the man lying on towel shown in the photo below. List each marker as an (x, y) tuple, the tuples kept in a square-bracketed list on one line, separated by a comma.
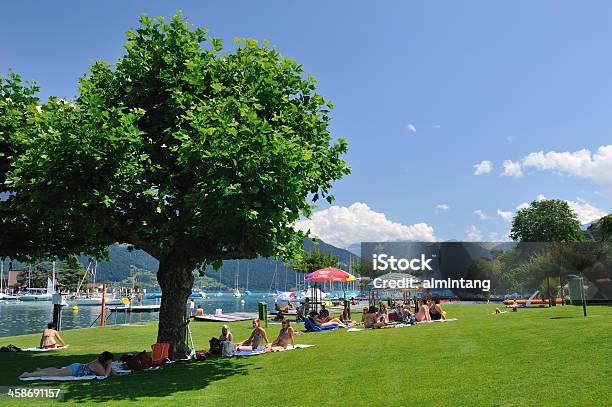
[(102, 366)]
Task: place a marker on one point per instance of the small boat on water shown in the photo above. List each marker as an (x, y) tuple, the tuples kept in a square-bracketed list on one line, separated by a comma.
[(39, 294), (7, 297), (196, 295), (237, 293)]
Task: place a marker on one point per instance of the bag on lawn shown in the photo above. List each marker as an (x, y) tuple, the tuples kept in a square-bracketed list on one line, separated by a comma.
[(140, 361), (215, 346), (160, 353)]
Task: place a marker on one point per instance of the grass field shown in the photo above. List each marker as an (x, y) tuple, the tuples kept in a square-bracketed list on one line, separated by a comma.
[(546, 357)]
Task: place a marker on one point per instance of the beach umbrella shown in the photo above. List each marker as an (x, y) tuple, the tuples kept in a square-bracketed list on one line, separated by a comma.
[(331, 274)]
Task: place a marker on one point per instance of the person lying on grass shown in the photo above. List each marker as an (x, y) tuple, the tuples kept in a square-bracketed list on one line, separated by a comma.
[(102, 366), (316, 318), (285, 337), (255, 339), (51, 338), (372, 319), (423, 314)]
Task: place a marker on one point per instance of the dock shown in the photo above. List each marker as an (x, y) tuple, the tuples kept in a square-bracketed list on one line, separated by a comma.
[(136, 308)]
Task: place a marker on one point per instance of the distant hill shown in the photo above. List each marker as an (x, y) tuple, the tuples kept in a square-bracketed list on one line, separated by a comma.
[(263, 273)]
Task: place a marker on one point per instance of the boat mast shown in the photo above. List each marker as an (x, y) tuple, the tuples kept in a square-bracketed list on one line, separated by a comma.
[(247, 279), (1, 274)]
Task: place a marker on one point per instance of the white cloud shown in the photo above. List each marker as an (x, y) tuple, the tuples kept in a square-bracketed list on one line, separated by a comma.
[(411, 128), (443, 206), (512, 169), (483, 167), (586, 212), (522, 206), (582, 163), (482, 215), (505, 215), (541, 197), (342, 226), (473, 234)]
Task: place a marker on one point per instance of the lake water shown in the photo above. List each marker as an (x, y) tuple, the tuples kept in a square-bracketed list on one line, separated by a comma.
[(18, 318)]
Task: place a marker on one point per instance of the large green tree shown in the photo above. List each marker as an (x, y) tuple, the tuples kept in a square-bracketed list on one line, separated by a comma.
[(188, 153), (550, 220), (314, 261)]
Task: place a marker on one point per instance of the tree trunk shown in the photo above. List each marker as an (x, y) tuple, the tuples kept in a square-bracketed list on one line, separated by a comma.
[(176, 282)]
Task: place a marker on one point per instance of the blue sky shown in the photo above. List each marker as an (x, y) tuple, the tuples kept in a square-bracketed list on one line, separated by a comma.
[(423, 92)]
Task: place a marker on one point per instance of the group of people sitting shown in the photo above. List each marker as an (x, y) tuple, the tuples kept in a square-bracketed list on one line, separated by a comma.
[(402, 312), (259, 336)]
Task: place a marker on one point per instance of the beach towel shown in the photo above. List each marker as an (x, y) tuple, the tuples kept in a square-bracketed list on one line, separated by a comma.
[(312, 327), (43, 350), (438, 320), (260, 350), (117, 366)]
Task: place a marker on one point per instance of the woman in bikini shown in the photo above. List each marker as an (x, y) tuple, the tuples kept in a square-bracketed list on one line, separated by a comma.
[(423, 314), (285, 337), (102, 366), (51, 339), (435, 310), (256, 337), (373, 320), (323, 323)]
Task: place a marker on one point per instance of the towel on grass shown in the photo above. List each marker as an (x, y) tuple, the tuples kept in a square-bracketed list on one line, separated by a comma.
[(260, 350), (117, 367), (438, 320), (43, 349)]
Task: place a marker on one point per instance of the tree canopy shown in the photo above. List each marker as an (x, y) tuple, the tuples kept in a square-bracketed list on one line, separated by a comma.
[(189, 153), (314, 261), (549, 220)]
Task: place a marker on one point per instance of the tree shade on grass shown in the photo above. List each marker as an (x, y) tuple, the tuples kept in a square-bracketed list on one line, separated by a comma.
[(546, 357), (191, 154)]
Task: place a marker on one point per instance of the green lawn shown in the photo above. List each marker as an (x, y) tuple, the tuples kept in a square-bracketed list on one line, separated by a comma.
[(546, 357)]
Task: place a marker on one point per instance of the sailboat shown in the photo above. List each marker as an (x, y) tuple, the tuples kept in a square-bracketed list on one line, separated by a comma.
[(237, 293), (40, 294), (219, 293), (246, 291)]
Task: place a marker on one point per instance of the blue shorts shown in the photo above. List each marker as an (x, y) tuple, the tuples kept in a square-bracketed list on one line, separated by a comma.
[(74, 368)]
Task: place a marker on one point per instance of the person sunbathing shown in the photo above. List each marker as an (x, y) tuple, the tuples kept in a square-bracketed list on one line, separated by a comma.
[(285, 337), (345, 317), (364, 312), (255, 339), (51, 339), (200, 311), (316, 318), (423, 314), (435, 310), (373, 320), (226, 335), (102, 366)]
